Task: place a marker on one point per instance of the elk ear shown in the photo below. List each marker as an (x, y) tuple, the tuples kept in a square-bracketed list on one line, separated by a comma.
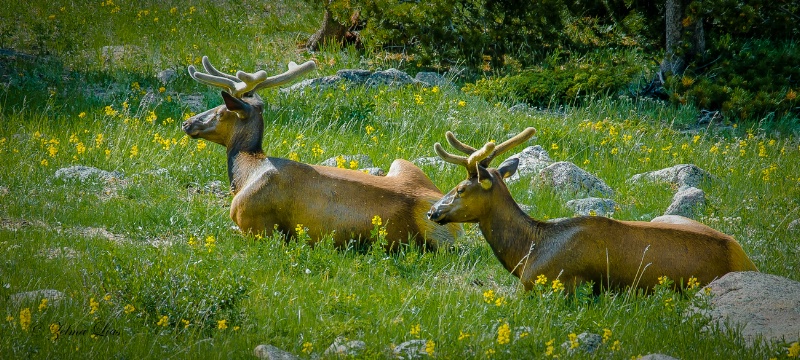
[(484, 178), (508, 167), (236, 105)]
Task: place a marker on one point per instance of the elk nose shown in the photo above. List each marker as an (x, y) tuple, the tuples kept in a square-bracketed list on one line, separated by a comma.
[(433, 214)]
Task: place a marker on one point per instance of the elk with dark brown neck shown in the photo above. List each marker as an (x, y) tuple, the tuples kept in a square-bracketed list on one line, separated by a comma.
[(609, 253)]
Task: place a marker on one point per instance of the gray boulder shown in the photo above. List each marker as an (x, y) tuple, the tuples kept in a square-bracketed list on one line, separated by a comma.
[(683, 176), (567, 177), (36, 296), (343, 348), (532, 160), (355, 75), (83, 173), (269, 352), (587, 343), (760, 305), (657, 357), (432, 79), (374, 171), (412, 349), (166, 76), (601, 207), (389, 77), (433, 161), (794, 225), (686, 202), (321, 83)]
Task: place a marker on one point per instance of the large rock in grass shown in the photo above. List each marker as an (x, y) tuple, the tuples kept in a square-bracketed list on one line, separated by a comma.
[(762, 306), (686, 202), (361, 161), (566, 177), (682, 176), (532, 160), (412, 349), (83, 173), (341, 347), (36, 296), (269, 352), (592, 206)]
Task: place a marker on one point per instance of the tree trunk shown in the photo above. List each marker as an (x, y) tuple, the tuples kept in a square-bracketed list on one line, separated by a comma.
[(672, 62), (331, 30)]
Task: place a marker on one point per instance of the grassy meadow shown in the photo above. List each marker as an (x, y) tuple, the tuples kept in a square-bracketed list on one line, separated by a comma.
[(151, 265)]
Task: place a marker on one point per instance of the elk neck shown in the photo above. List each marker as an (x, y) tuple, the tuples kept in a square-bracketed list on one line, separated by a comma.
[(244, 150), (511, 233)]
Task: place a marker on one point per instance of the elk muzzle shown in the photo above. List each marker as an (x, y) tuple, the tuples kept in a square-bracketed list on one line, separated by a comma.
[(439, 211)]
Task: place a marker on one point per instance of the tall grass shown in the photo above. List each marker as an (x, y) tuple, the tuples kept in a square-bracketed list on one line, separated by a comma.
[(152, 258)]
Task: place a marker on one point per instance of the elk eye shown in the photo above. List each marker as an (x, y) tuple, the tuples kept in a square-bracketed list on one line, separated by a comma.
[(460, 190)]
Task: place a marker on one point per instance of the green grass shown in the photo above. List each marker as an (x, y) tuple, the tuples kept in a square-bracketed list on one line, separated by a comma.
[(142, 242)]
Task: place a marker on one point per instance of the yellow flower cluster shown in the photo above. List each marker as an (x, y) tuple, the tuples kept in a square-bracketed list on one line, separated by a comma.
[(210, 243), (573, 341), (163, 321), (415, 330), (93, 306), (308, 348), (503, 334), (25, 319), (222, 324)]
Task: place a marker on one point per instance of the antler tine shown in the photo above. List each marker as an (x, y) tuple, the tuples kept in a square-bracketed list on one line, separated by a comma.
[(460, 146), (217, 81), (508, 144), (479, 155), (446, 156), (293, 72)]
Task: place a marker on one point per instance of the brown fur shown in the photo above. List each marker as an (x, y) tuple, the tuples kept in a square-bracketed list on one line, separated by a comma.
[(274, 193), (610, 253)]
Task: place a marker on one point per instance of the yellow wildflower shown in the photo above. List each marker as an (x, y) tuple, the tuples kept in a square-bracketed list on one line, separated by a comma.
[(55, 329), (794, 349), (25, 319), (340, 162), (615, 346), (557, 285), (435, 89), (377, 221), (692, 283), (134, 151), (541, 280), (488, 296), (80, 148), (573, 340), (82, 114), (93, 306), (44, 162), (353, 164), (222, 324), (606, 335), (663, 280), (211, 243), (462, 335), (43, 305), (369, 129), (500, 301), (503, 334), (554, 146), (129, 309), (163, 321), (185, 323), (201, 145), (110, 111), (550, 349), (300, 230), (192, 241), (415, 329), (293, 156), (430, 346), (307, 347)]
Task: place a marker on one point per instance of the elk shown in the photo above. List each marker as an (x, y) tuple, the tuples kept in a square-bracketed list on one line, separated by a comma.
[(612, 254), (274, 193)]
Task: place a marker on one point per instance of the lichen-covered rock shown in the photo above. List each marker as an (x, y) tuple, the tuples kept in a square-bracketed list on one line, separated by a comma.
[(794, 225), (432, 79), (532, 160), (321, 83), (682, 176), (269, 352), (761, 305), (343, 348), (686, 202), (657, 357), (359, 76), (567, 177), (389, 77), (83, 173), (166, 76), (592, 206), (374, 171), (432, 161), (586, 342), (412, 349), (36, 296)]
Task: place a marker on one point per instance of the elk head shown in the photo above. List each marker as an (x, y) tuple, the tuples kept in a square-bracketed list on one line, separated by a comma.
[(472, 199), (239, 119)]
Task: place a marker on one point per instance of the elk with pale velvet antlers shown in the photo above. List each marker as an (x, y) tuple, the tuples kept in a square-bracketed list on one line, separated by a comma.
[(274, 193), (612, 254)]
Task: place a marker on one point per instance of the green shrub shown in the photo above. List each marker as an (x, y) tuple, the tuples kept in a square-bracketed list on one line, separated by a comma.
[(565, 81)]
